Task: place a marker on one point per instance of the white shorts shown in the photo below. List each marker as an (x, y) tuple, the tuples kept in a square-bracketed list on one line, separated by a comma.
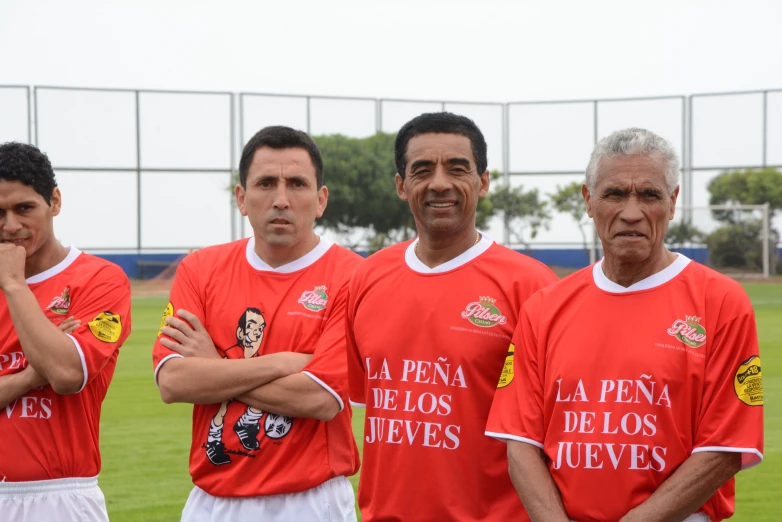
[(695, 517), (60, 500), (332, 501)]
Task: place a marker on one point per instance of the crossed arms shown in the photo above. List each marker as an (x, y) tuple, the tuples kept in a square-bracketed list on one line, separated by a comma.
[(270, 382), (17, 384)]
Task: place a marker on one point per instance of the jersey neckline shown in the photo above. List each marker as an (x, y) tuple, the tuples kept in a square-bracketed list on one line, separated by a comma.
[(462, 259), (298, 264), (653, 281), (73, 253)]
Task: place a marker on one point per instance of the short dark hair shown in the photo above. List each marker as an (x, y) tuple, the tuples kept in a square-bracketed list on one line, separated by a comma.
[(280, 137), (28, 165), (444, 123)]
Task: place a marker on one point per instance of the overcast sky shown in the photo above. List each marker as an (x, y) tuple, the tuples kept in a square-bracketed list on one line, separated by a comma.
[(490, 51), (442, 49)]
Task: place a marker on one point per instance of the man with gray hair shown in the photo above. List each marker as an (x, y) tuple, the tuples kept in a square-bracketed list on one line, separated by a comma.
[(639, 394)]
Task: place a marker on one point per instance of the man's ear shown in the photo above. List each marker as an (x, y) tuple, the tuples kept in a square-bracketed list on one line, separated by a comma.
[(240, 193), (587, 199), (400, 187)]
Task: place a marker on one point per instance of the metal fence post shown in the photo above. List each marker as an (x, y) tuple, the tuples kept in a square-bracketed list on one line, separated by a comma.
[(241, 141), (506, 164), (233, 168), (593, 249), (765, 126), (138, 172), (29, 118), (766, 238), (309, 130), (685, 153), (688, 182), (35, 114)]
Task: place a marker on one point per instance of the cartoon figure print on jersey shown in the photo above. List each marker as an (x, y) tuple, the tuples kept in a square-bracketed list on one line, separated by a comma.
[(249, 336)]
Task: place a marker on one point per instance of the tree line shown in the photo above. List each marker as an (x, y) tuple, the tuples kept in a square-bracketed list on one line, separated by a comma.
[(365, 213)]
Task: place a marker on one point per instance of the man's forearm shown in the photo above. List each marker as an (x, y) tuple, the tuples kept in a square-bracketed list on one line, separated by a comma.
[(12, 387), (197, 380), (534, 484), (690, 486), (48, 350), (296, 395)]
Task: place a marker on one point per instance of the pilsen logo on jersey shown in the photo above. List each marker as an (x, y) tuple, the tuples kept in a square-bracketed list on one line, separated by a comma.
[(689, 331), (61, 303), (315, 300), (483, 313)]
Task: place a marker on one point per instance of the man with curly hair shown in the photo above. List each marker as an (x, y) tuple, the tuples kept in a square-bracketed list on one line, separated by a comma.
[(63, 317)]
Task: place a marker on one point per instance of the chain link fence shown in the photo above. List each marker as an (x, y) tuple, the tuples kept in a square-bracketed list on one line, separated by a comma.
[(149, 170)]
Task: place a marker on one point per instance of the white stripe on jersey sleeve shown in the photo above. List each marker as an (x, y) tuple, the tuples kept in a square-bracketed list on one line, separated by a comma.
[(504, 436), (161, 363), (83, 361), (750, 456), (328, 389)]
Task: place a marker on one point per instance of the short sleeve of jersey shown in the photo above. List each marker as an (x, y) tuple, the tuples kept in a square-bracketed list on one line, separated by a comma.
[(517, 409), (356, 369), (184, 295), (104, 311), (731, 416), (328, 366)]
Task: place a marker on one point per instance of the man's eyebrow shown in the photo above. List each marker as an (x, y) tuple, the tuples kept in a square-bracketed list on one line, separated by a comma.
[(421, 163), (615, 190), (459, 161), (428, 163), (30, 203)]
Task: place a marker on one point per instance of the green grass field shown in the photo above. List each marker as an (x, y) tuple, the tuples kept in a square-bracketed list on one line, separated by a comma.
[(145, 443)]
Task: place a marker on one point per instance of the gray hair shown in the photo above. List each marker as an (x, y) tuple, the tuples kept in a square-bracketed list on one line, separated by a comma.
[(634, 142)]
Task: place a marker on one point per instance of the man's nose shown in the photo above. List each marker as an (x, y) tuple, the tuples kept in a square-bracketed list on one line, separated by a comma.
[(631, 212), (281, 197), (441, 180), (11, 224)]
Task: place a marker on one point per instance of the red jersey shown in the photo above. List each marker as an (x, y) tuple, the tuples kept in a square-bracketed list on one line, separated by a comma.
[(250, 308), (425, 350), (619, 386), (49, 436)]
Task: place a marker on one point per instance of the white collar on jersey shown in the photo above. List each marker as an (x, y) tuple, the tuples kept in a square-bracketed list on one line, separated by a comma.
[(73, 253), (303, 262), (654, 280), (471, 253)]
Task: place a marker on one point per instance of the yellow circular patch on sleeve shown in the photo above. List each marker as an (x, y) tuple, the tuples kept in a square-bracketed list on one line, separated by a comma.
[(106, 327), (748, 382)]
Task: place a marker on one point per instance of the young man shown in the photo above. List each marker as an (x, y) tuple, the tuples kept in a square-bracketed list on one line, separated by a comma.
[(272, 435), (429, 323), (639, 391), (54, 372)]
